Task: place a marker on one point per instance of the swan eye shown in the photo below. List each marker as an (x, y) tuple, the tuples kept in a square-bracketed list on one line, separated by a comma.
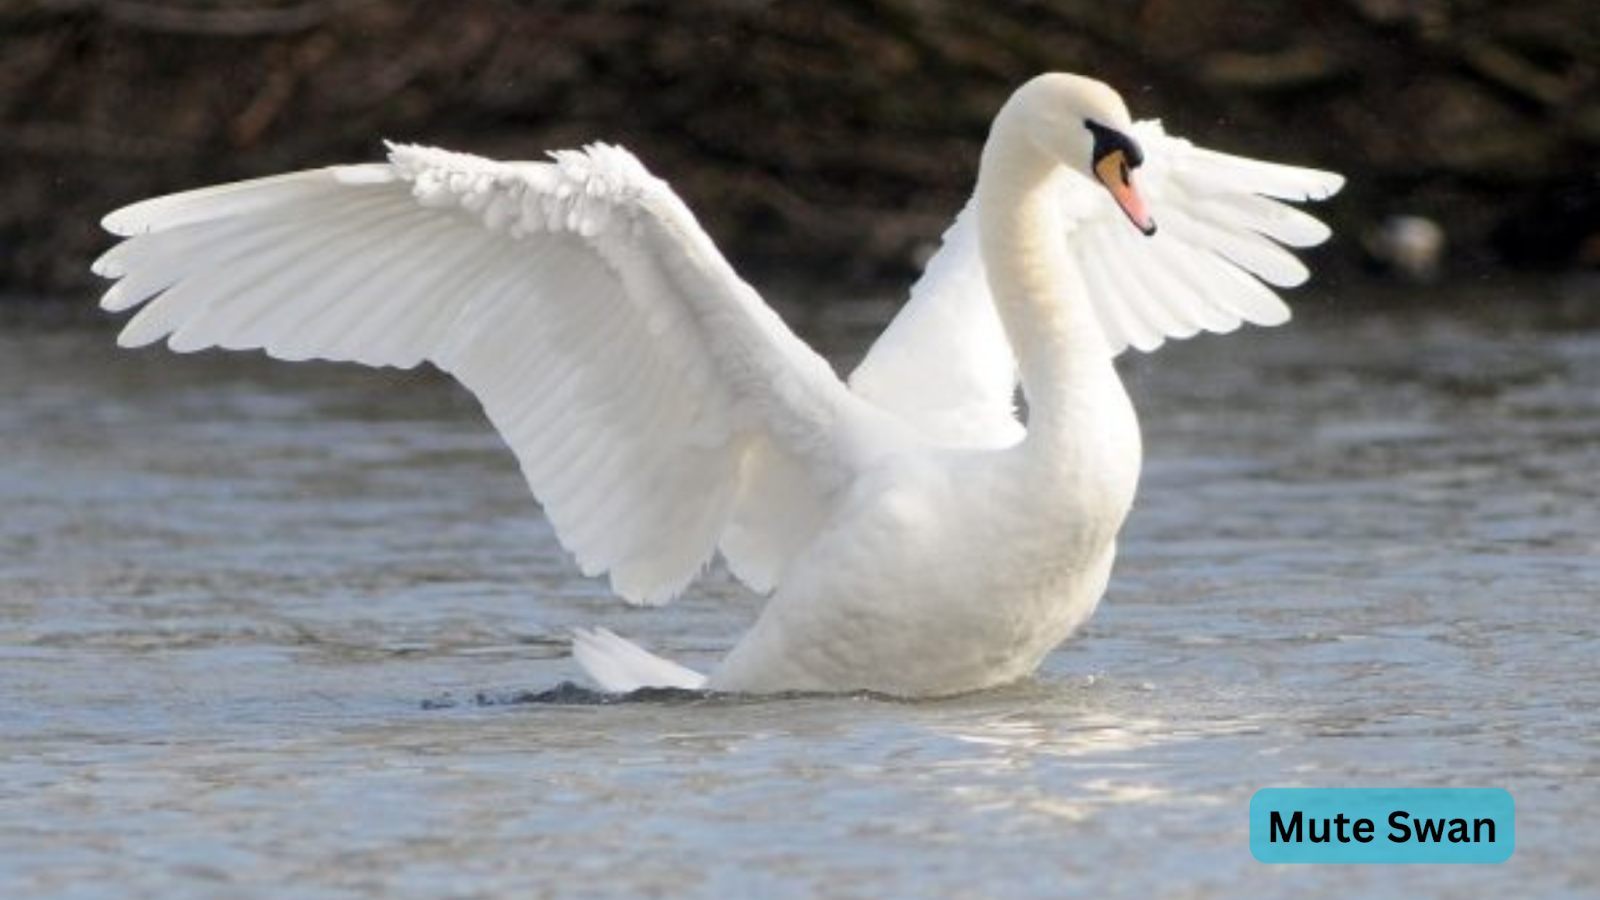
[(1109, 141)]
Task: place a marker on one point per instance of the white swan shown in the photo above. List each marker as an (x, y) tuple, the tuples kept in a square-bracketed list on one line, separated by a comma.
[(914, 537)]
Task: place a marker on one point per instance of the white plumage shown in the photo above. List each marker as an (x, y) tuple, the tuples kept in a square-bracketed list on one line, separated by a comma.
[(916, 538)]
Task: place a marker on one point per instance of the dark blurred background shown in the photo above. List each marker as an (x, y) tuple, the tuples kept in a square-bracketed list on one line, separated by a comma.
[(826, 141)]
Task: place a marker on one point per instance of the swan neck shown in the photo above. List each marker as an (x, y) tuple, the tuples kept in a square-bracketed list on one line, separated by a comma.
[(1039, 295)]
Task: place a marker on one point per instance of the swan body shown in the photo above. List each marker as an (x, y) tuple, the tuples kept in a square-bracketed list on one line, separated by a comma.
[(913, 536)]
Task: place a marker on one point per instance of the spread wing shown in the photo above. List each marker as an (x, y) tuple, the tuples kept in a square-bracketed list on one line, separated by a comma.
[(945, 363), (611, 345)]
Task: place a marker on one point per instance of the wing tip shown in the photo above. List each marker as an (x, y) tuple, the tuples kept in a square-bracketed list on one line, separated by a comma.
[(132, 338), (129, 221), (1327, 185), (106, 265), (1279, 316), (115, 300)]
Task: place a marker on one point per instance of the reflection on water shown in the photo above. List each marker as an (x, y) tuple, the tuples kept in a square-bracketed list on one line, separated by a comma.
[(268, 626)]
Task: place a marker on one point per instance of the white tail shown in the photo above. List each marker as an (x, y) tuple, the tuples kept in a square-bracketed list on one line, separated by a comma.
[(620, 666)]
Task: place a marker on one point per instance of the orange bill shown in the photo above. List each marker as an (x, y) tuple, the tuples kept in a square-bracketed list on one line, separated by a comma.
[(1113, 172)]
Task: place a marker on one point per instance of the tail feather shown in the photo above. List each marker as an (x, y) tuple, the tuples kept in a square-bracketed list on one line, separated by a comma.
[(620, 666)]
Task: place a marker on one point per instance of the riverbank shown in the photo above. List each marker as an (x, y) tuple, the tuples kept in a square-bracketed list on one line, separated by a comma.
[(831, 139)]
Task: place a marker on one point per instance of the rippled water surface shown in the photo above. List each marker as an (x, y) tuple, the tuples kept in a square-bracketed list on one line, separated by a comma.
[(263, 629)]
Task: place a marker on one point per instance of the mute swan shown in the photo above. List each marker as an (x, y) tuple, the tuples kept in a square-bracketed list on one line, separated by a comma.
[(914, 537)]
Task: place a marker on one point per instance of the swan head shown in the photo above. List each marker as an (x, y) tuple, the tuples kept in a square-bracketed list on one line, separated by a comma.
[(1084, 125)]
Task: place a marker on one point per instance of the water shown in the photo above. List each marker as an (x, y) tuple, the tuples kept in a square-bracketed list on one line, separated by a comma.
[(247, 611)]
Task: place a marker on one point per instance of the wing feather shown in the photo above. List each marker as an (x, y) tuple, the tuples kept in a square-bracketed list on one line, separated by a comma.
[(319, 262), (1208, 171), (1245, 249), (238, 200), (148, 263), (1252, 212), (628, 367), (1120, 322), (1151, 316), (1178, 277)]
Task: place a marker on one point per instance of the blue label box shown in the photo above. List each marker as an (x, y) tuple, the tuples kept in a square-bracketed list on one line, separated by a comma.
[(1382, 825)]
